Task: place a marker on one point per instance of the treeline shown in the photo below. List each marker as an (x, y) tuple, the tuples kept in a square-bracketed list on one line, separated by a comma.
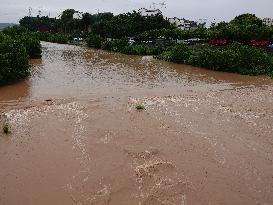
[(17, 45), (242, 28), (104, 24), (132, 33), (238, 56)]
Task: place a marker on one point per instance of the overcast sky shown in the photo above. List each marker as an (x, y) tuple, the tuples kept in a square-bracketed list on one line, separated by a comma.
[(12, 10)]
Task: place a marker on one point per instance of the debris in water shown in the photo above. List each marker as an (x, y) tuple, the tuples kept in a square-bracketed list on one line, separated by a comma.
[(148, 168)]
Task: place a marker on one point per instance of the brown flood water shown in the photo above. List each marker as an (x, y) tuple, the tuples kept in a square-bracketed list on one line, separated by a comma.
[(205, 137)]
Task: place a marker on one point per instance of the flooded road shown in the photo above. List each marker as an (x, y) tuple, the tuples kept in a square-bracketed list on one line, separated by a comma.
[(205, 137)]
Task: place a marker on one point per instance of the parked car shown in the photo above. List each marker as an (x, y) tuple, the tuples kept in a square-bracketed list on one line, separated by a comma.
[(270, 48), (78, 39), (131, 41)]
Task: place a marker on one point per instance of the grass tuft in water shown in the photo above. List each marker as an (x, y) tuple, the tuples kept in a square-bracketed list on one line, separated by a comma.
[(140, 106), (6, 128)]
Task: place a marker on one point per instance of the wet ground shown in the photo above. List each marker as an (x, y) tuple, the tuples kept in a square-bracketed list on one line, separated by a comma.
[(76, 138)]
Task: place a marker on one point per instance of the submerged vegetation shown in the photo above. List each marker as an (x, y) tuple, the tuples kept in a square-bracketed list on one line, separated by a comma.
[(52, 37), (122, 46), (140, 106), (6, 128), (17, 45), (94, 41), (236, 57)]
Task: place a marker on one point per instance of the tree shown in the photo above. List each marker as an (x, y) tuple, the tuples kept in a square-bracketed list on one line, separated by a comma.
[(28, 39), (87, 21), (242, 28), (130, 25), (247, 19), (68, 20), (13, 60)]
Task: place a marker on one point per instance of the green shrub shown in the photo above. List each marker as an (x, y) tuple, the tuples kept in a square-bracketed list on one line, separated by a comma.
[(117, 45), (251, 60), (122, 46), (235, 58), (166, 56), (107, 45), (27, 38), (58, 38), (178, 54), (54, 38), (141, 50), (13, 60), (94, 41)]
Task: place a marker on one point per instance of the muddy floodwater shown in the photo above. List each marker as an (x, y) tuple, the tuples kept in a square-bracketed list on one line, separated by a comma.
[(204, 138)]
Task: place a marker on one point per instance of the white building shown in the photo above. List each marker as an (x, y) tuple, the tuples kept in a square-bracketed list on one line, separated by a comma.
[(147, 12), (268, 21), (179, 23), (183, 24), (77, 15)]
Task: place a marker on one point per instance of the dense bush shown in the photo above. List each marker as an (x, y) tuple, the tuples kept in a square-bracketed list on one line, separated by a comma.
[(94, 41), (142, 49), (116, 45), (13, 60), (166, 56), (54, 38), (178, 54), (122, 46), (236, 58), (28, 39), (252, 60)]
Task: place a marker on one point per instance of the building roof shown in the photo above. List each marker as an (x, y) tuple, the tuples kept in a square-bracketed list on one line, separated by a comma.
[(150, 11)]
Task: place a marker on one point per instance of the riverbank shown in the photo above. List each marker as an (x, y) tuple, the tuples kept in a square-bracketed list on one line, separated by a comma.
[(238, 46), (234, 58)]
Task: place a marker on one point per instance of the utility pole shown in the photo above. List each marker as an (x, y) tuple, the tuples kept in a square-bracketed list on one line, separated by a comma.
[(213, 23), (29, 11), (160, 5), (203, 22)]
